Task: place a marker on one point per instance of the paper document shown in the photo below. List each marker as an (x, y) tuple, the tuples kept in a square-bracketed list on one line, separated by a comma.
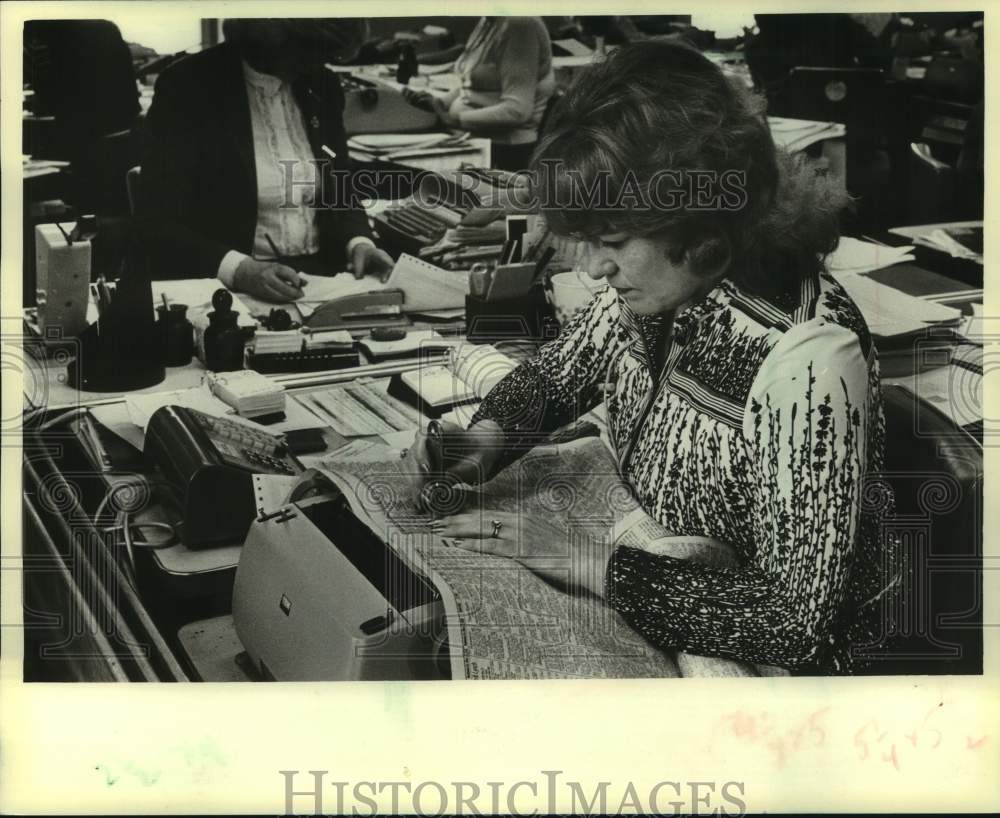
[(480, 366), (890, 312), (503, 621), (973, 327), (142, 407), (393, 141), (360, 409), (854, 256), (941, 240), (271, 491), (798, 134), (426, 286), (320, 289)]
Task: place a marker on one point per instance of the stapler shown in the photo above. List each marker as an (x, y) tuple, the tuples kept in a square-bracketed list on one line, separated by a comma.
[(361, 311)]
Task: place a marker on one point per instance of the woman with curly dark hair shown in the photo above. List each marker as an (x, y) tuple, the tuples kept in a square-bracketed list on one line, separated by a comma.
[(740, 381)]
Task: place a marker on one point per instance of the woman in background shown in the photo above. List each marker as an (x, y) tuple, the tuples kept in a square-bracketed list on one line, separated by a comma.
[(225, 127), (506, 82)]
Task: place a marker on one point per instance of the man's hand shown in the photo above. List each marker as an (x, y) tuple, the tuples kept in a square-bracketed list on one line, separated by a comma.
[(369, 260), (267, 280)]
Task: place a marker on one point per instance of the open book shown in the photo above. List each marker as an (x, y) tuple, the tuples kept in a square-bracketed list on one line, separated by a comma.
[(467, 376)]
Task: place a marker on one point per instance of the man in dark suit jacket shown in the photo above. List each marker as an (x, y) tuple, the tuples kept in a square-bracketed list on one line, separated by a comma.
[(198, 209)]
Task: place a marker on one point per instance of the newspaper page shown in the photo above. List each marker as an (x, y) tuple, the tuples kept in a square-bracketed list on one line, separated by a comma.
[(506, 622)]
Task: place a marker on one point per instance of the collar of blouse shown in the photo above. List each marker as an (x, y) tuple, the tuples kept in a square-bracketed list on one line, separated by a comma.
[(267, 84)]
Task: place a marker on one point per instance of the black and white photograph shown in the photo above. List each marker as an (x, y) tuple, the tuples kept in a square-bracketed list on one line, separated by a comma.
[(416, 351)]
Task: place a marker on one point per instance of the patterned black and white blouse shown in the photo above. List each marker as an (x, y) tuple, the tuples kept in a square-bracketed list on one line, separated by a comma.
[(759, 432)]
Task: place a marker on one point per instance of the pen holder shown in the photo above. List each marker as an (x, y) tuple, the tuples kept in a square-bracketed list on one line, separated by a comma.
[(121, 351), (176, 334), (525, 317)]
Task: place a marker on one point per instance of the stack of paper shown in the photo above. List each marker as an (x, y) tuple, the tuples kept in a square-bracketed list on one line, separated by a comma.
[(890, 312), (249, 393), (955, 389), (268, 342), (854, 256), (798, 134), (330, 339), (941, 240), (973, 327), (393, 147)]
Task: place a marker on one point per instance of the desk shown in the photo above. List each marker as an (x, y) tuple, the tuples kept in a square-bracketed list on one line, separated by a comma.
[(72, 571)]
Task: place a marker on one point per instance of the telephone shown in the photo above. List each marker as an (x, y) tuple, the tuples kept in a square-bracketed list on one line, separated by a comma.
[(209, 463)]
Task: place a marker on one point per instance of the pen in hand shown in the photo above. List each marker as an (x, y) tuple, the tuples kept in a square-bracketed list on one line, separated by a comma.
[(300, 281), (273, 246), (440, 495)]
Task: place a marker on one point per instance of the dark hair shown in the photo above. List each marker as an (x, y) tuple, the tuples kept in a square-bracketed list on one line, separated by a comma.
[(662, 113)]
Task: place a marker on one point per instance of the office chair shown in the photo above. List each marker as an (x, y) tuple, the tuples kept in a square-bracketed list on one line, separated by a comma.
[(935, 471), (859, 99), (855, 97), (954, 80)]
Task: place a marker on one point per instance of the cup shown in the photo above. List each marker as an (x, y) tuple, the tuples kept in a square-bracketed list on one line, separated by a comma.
[(572, 291)]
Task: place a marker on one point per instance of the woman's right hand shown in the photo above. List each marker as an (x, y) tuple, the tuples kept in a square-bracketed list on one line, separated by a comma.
[(456, 456), (267, 280)]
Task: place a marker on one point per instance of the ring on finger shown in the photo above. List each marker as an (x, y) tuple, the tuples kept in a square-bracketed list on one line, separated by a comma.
[(497, 528)]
